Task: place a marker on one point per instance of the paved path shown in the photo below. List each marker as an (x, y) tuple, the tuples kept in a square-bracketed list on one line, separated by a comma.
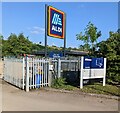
[(40, 100)]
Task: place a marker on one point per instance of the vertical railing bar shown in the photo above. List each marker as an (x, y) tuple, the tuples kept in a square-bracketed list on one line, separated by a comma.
[(40, 60), (20, 73), (9, 80), (33, 73), (35, 70), (29, 74), (42, 72), (13, 73), (23, 73), (16, 73), (46, 73), (30, 69), (39, 71)]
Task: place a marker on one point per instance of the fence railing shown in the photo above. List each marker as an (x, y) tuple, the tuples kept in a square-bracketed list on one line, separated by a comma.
[(27, 73), (37, 72), (14, 71), (30, 73)]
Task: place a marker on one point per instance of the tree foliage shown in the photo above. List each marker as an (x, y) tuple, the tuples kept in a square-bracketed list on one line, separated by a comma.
[(111, 50), (17, 45), (89, 37)]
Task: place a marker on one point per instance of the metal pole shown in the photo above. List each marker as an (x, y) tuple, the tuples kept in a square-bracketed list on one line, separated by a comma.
[(64, 35), (23, 73), (27, 74), (104, 78), (59, 68), (81, 74), (46, 30)]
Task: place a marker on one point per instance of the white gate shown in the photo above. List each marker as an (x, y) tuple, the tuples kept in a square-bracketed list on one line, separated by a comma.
[(37, 71), (27, 73)]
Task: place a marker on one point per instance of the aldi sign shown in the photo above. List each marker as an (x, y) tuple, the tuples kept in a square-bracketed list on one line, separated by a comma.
[(56, 23)]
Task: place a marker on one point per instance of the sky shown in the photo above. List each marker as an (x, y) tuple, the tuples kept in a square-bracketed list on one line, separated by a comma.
[(29, 18)]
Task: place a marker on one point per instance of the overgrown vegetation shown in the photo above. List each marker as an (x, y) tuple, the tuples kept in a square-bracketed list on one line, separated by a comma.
[(99, 89), (96, 88), (16, 45), (60, 83), (109, 49)]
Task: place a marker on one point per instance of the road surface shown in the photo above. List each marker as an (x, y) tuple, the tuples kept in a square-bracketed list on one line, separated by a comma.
[(14, 99)]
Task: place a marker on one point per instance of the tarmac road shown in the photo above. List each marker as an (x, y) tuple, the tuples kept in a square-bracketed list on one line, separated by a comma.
[(14, 99)]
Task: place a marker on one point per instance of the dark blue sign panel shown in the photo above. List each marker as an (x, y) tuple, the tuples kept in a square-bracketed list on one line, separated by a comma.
[(55, 54), (55, 23), (93, 63), (87, 63)]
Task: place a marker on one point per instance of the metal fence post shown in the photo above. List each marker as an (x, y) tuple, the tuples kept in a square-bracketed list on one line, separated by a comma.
[(27, 74), (59, 68), (81, 74), (104, 78), (23, 73), (49, 73)]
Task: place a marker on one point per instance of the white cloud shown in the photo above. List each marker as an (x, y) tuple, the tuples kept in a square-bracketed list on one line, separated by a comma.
[(34, 32), (37, 30)]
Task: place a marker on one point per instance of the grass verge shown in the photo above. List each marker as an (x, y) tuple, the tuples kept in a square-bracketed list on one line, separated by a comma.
[(95, 88), (99, 89)]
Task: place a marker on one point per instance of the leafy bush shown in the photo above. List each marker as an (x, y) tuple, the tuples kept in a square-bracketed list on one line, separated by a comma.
[(60, 83), (111, 50)]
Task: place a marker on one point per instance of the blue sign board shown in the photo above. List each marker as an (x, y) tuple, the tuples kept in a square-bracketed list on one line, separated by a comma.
[(55, 23), (93, 63), (55, 54)]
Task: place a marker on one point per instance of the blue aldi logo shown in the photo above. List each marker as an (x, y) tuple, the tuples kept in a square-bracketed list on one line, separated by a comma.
[(55, 23)]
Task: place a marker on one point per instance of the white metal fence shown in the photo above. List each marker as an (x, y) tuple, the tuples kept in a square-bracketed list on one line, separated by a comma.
[(68, 69), (30, 73), (36, 73), (27, 73), (14, 71)]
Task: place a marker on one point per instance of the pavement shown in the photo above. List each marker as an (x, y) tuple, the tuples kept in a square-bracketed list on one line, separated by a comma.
[(14, 99)]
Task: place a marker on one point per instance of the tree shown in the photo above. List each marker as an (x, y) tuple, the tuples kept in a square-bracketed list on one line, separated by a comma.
[(16, 45), (89, 37), (1, 39), (111, 50), (25, 46), (12, 45)]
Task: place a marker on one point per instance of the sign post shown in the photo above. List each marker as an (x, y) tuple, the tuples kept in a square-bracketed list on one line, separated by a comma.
[(65, 34), (46, 30)]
